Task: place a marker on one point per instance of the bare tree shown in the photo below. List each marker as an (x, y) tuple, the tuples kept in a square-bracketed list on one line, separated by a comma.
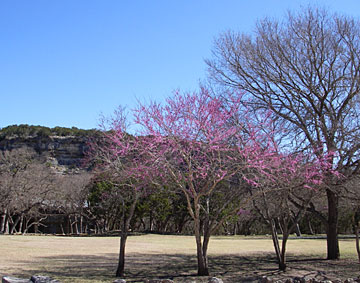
[(281, 203), (71, 197), (118, 164), (306, 69), (12, 164), (28, 186)]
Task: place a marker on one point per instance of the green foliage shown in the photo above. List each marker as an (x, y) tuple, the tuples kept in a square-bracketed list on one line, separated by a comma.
[(346, 220), (158, 206), (97, 190)]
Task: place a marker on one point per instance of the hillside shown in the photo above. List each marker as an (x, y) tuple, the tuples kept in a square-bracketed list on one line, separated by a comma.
[(58, 146)]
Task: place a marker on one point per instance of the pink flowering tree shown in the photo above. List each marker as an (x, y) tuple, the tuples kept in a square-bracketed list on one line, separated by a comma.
[(189, 143), (282, 187), (120, 160)]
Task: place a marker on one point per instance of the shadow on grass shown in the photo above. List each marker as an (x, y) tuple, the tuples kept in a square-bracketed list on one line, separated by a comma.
[(182, 268)]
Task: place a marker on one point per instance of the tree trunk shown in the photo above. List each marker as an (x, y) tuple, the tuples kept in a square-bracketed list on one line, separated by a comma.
[(13, 228), (21, 223), (26, 226), (310, 228), (70, 224), (279, 224), (207, 234), (235, 228), (121, 264), (333, 251), (36, 228), (124, 235), (76, 225), (282, 263), (203, 269), (357, 241), (81, 225), (3, 221), (151, 221), (62, 229), (297, 230), (6, 230), (275, 240)]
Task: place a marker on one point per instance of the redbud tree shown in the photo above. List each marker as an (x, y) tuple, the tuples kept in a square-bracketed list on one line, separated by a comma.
[(283, 190), (188, 141), (119, 159), (281, 184)]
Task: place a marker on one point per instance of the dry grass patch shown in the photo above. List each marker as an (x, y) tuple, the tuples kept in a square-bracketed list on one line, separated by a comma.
[(234, 259)]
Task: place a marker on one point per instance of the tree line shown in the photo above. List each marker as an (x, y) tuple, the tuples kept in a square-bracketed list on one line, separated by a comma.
[(25, 131)]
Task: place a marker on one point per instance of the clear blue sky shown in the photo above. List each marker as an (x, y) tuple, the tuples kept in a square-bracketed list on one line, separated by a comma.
[(64, 62)]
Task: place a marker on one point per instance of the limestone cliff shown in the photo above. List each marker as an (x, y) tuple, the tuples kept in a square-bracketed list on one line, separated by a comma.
[(61, 147), (63, 151)]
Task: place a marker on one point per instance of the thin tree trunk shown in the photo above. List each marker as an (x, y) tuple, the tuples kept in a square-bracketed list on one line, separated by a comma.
[(310, 228), (286, 232), (297, 229), (7, 225), (21, 223), (205, 244), (357, 241), (124, 234), (142, 223), (121, 264), (279, 224), (14, 223), (76, 224), (275, 239), (203, 269), (333, 251), (3, 221), (62, 229), (81, 224), (26, 228), (356, 220), (280, 252), (70, 225), (150, 221)]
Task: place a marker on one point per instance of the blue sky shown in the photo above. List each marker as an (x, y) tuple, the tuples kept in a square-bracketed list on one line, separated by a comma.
[(64, 62)]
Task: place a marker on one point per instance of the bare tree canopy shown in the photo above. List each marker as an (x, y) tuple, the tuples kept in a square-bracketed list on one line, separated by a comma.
[(306, 69)]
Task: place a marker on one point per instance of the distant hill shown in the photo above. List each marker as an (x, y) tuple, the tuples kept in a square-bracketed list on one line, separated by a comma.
[(61, 147)]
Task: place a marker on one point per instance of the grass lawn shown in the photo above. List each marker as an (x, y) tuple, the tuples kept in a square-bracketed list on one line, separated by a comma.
[(232, 258)]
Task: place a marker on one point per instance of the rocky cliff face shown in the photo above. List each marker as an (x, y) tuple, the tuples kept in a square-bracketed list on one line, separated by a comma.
[(59, 151)]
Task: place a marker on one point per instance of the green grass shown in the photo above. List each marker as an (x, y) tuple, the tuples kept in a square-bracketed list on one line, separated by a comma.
[(232, 258)]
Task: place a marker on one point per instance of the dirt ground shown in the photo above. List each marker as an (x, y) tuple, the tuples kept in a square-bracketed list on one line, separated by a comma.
[(233, 259)]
